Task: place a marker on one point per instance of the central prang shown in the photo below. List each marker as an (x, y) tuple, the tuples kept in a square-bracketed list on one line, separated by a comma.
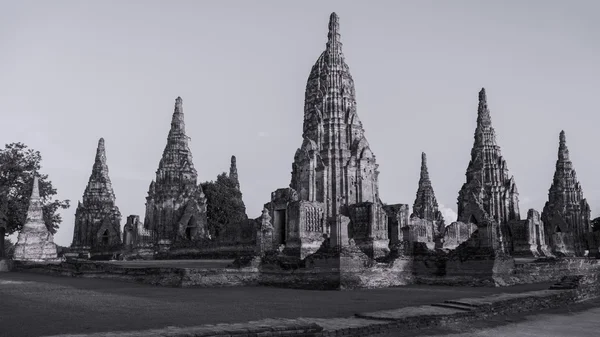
[(334, 192)]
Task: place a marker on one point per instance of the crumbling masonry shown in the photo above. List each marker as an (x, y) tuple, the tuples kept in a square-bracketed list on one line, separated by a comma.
[(176, 206), (566, 215), (334, 190), (97, 218)]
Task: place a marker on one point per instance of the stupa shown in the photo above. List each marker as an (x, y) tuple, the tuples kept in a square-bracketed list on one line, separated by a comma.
[(35, 241)]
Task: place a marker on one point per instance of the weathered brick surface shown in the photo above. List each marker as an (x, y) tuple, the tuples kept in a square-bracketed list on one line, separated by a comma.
[(176, 204), (334, 172), (487, 176), (551, 270), (267, 328), (426, 205), (566, 215), (170, 277), (35, 242), (97, 218)]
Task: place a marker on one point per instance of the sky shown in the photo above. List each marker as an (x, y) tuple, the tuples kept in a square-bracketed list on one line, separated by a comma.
[(74, 71)]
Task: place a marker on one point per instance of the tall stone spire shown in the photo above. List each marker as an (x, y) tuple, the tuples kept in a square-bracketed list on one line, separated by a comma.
[(488, 187), (233, 174), (97, 218), (99, 187), (334, 45), (563, 151), (35, 214), (566, 213), (35, 242), (334, 164), (176, 205), (334, 173), (484, 119), (426, 205), (177, 155)]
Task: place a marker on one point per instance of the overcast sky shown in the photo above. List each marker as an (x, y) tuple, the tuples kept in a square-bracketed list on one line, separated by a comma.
[(74, 71)]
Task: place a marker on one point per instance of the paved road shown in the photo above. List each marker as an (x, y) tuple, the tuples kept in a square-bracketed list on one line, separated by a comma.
[(34, 305), (579, 320)]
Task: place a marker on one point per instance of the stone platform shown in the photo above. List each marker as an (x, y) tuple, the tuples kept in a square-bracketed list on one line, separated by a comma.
[(173, 273), (321, 274)]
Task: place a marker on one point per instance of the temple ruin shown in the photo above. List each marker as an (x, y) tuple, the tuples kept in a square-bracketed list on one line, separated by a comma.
[(35, 242), (97, 219), (175, 205), (426, 221), (566, 214), (329, 229), (489, 198), (334, 190)]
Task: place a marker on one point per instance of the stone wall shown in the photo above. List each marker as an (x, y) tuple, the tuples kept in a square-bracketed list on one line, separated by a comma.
[(398, 216), (563, 244), (527, 237), (457, 233), (368, 228), (422, 230), (306, 228), (547, 270), (170, 277)]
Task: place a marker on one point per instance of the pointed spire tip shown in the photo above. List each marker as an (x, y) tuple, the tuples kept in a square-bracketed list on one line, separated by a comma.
[(35, 193), (482, 95), (333, 36)]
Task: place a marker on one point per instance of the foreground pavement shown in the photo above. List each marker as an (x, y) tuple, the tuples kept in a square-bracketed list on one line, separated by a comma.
[(37, 305), (577, 320)]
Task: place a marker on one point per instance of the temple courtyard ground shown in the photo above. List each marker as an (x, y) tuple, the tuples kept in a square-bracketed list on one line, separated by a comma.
[(40, 305)]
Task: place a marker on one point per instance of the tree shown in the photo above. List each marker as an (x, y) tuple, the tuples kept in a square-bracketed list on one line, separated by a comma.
[(18, 165), (9, 248), (596, 224), (225, 206)]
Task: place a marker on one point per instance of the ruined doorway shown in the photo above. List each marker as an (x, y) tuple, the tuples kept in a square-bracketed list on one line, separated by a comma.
[(128, 237), (279, 224), (537, 235), (105, 237), (190, 229)]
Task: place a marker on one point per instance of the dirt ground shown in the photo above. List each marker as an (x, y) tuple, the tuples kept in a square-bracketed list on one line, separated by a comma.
[(35, 305)]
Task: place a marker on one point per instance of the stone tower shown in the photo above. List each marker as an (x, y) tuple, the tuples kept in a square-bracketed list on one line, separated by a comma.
[(566, 215), (233, 173), (426, 221), (426, 205), (334, 165), (35, 242), (97, 219), (176, 205), (488, 188), (333, 189)]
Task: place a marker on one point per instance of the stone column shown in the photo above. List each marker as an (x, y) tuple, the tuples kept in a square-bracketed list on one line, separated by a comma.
[(264, 237), (339, 231)]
